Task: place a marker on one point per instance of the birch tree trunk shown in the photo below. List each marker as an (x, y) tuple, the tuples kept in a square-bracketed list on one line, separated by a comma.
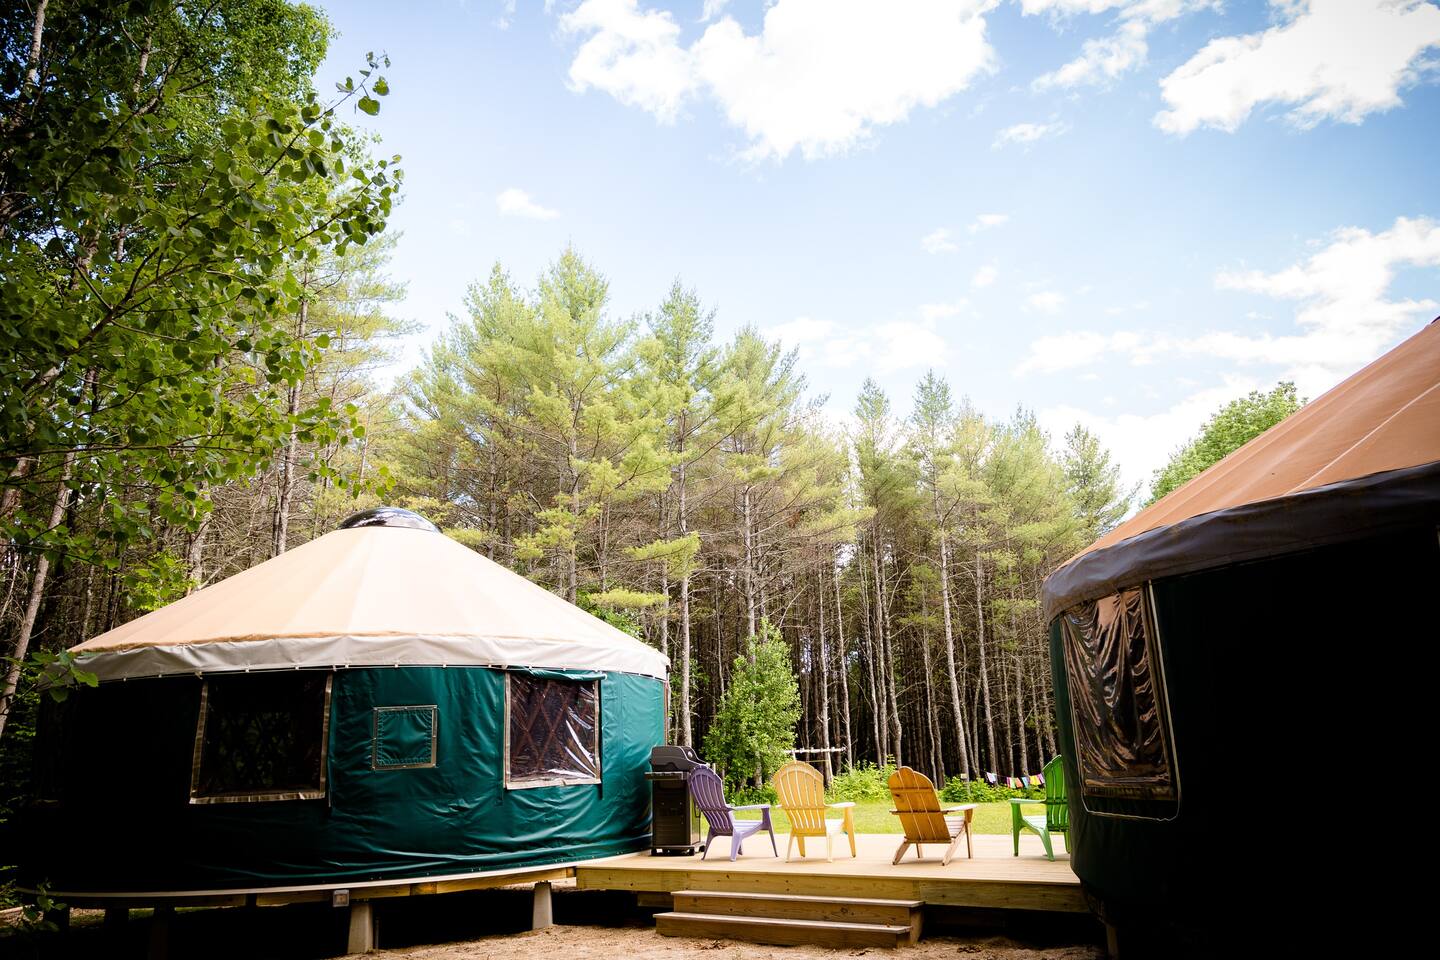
[(37, 593)]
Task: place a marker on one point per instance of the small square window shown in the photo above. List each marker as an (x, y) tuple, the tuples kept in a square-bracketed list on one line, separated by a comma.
[(404, 739)]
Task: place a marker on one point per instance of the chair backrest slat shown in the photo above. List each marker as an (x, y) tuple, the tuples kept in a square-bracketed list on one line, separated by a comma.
[(801, 791), (1057, 807), (708, 791), (918, 806)]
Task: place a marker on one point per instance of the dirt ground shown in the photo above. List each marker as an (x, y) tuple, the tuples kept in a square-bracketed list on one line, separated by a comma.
[(600, 943)]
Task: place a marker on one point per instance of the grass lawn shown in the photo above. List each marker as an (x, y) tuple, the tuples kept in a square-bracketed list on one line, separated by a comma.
[(877, 818)]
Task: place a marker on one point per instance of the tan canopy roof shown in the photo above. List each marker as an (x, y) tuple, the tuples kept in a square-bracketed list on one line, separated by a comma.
[(363, 597), (1382, 419)]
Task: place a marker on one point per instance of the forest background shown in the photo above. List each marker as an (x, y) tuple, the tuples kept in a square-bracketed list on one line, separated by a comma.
[(197, 341)]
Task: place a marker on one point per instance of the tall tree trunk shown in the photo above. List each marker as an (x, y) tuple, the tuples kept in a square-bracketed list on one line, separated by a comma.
[(980, 645), (824, 658), (286, 491), (955, 703), (882, 627), (37, 593), (749, 563), (844, 667), (686, 735)]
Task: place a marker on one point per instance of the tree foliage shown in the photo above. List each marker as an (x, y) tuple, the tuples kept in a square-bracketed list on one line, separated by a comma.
[(755, 724), (1230, 428)]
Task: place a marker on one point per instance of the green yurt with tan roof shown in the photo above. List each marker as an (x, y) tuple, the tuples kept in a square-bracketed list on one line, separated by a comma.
[(379, 704)]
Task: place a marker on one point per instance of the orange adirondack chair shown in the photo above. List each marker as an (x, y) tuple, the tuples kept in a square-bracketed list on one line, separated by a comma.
[(922, 818), (801, 790)]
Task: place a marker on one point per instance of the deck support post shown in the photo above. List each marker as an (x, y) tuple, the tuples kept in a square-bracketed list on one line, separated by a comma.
[(362, 927), (541, 914), (1112, 941), (159, 948)]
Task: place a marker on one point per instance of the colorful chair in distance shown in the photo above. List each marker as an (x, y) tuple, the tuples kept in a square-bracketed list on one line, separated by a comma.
[(924, 820), (708, 790), (1057, 810), (801, 790)]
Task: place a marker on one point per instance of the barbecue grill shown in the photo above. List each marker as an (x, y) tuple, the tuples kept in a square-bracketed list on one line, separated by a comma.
[(675, 828)]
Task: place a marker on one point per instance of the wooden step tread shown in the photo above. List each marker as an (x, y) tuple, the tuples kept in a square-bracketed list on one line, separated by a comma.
[(801, 898), (784, 932), (779, 921)]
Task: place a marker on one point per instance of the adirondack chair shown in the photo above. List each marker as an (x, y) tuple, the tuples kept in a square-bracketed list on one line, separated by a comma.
[(1057, 812), (801, 790), (708, 791), (922, 818)]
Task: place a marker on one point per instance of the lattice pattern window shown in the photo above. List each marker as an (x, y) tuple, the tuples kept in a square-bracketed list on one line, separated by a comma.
[(552, 731), (1117, 698), (261, 736)]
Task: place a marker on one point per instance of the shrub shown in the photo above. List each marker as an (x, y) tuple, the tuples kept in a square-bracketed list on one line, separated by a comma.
[(959, 790), (864, 783), (743, 796)]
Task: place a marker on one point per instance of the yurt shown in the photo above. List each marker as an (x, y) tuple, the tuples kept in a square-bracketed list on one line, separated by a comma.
[(381, 703), (1236, 667)]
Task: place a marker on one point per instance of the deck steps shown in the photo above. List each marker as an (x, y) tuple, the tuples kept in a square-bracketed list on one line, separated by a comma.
[(790, 920)]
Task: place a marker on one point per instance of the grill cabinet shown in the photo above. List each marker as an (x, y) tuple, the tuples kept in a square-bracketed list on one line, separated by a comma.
[(675, 825)]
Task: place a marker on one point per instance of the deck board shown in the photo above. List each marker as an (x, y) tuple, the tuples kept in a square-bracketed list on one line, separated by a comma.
[(993, 879)]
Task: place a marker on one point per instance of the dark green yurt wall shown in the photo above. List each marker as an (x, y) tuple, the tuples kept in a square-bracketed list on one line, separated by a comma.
[(131, 771)]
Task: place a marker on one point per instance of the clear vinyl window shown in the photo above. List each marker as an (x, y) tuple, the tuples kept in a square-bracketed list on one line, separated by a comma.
[(552, 731), (261, 736), (1117, 698)]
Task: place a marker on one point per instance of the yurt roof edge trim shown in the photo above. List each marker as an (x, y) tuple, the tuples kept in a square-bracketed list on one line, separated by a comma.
[(361, 651), (1312, 518)]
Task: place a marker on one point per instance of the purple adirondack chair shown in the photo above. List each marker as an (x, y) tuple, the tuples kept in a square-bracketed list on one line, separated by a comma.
[(709, 793)]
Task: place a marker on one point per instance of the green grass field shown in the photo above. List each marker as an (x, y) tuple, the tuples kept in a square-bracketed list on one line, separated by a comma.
[(877, 818)]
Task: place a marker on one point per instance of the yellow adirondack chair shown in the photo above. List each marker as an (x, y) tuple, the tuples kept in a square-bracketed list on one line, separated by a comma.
[(922, 818), (801, 791)]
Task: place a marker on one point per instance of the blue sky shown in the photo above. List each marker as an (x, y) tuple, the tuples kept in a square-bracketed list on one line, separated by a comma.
[(1117, 212)]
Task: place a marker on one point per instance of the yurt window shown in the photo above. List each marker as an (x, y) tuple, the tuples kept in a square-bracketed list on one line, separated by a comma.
[(552, 730), (261, 736), (404, 738), (1117, 698)]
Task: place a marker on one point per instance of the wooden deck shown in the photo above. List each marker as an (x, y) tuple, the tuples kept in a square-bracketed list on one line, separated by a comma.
[(994, 879)]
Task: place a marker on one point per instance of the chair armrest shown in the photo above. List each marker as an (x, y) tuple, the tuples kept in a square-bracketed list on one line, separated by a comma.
[(960, 809), (841, 806), (1020, 800), (752, 806)]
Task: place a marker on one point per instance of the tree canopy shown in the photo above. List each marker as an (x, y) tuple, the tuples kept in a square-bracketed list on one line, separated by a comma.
[(1230, 428)]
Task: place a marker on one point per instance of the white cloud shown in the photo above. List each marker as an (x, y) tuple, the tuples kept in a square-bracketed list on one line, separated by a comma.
[(938, 241), (1046, 301), (1344, 313), (887, 347), (1142, 444), (1104, 59), (1026, 133), (1330, 59), (987, 220), (517, 203), (713, 9), (984, 276), (1101, 59), (820, 76), (633, 55)]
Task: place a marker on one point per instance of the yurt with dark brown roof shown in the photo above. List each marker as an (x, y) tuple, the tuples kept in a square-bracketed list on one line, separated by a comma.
[(1235, 664)]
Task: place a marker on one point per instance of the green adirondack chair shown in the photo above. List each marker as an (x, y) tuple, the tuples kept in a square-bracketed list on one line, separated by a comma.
[(1057, 812)]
